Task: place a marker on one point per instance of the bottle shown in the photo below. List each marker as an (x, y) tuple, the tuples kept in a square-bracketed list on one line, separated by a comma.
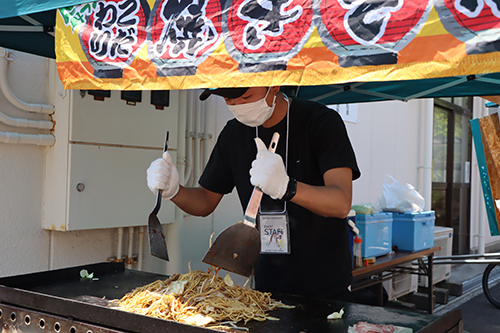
[(358, 260)]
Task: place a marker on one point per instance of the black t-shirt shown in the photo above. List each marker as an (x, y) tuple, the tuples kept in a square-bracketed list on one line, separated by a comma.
[(320, 262)]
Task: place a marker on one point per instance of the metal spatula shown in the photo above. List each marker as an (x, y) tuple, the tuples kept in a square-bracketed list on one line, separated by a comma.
[(157, 242), (237, 248)]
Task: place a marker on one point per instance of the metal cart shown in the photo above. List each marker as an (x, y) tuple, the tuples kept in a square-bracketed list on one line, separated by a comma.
[(491, 275)]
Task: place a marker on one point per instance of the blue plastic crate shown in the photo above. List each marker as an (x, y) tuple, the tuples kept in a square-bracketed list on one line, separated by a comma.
[(413, 231), (376, 232), (351, 236)]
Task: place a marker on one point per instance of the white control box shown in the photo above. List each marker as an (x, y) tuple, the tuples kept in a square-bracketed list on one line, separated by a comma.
[(95, 174)]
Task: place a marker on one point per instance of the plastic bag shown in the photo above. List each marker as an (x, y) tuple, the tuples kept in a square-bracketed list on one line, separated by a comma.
[(366, 209), (401, 199)]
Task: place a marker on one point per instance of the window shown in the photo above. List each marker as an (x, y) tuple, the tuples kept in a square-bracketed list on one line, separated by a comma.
[(451, 154)]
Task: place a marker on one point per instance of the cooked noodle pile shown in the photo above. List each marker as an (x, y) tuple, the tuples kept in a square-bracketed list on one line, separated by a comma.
[(199, 298)]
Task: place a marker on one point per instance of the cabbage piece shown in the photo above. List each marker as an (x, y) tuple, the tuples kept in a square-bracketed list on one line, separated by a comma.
[(84, 274), (176, 287), (336, 315), (228, 280)]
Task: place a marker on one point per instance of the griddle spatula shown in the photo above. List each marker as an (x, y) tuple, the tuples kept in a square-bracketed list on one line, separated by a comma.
[(157, 242), (237, 248)]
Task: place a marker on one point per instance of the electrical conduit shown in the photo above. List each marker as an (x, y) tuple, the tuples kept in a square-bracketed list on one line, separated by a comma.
[(31, 139), (197, 141), (4, 86), (189, 135), (175, 231), (26, 123), (18, 138)]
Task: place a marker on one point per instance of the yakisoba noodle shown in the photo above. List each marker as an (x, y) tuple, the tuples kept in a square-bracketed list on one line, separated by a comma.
[(199, 298)]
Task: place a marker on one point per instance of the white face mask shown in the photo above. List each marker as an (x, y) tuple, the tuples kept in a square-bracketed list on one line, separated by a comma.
[(255, 113)]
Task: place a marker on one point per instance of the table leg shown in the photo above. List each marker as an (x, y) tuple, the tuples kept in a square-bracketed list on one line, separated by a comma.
[(430, 283), (381, 292)]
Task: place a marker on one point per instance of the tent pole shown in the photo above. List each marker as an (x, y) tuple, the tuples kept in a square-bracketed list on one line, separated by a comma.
[(428, 136), (479, 111)]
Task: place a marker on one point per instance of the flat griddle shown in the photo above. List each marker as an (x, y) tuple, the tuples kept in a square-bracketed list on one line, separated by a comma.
[(64, 294)]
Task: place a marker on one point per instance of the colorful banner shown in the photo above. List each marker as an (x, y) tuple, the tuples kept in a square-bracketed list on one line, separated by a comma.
[(187, 44)]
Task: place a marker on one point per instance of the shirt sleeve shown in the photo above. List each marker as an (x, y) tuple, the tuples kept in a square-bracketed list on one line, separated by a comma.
[(216, 176), (332, 143)]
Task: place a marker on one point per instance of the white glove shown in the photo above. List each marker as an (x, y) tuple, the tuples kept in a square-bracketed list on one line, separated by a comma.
[(163, 175), (268, 172)]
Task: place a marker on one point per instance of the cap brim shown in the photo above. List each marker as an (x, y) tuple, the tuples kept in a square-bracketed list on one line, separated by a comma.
[(224, 92)]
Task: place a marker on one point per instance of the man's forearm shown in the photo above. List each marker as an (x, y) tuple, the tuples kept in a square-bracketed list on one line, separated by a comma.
[(332, 200), (326, 201), (196, 201)]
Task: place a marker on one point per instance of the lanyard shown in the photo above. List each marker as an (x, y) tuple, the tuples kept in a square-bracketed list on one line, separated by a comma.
[(286, 148)]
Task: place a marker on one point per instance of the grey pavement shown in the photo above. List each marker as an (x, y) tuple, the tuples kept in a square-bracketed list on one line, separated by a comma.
[(479, 315)]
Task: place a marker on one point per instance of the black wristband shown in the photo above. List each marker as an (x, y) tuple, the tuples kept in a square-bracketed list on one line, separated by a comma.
[(291, 189)]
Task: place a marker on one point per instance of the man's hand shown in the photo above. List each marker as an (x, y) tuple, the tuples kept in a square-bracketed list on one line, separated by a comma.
[(163, 175), (268, 172)]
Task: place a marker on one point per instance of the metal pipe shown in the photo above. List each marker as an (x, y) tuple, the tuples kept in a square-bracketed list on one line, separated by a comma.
[(481, 226), (209, 128), (140, 251), (197, 142), (51, 249), (189, 134), (476, 211), (204, 135), (120, 244), (466, 261), (31, 139), (14, 100), (130, 260), (428, 138), (481, 221), (201, 134), (469, 256)]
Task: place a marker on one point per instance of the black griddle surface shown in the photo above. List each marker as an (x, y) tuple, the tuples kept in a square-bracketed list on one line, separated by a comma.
[(110, 281), (63, 292)]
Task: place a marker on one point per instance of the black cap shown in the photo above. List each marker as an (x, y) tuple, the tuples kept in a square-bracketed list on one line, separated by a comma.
[(224, 92)]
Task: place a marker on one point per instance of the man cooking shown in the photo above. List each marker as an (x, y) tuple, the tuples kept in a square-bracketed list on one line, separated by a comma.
[(307, 185)]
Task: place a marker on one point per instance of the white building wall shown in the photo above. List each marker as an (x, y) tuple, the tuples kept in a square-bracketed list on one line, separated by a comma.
[(387, 139), (23, 244)]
